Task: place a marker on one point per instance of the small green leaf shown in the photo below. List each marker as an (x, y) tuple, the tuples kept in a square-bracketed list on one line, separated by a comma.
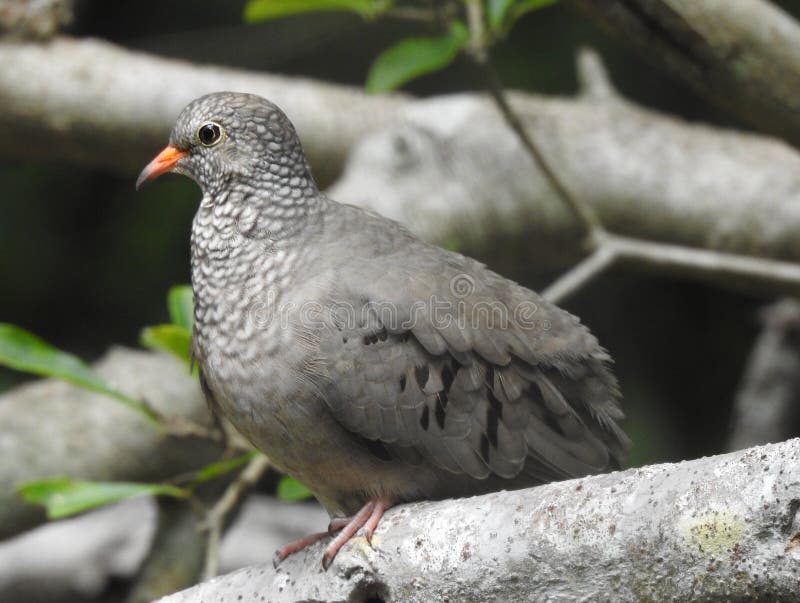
[(413, 57), (167, 338), (23, 351), (503, 12), (290, 489), (63, 497), (180, 306), (263, 10), (213, 470), (451, 244)]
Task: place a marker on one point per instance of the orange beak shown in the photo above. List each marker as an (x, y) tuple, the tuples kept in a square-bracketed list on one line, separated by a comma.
[(163, 162)]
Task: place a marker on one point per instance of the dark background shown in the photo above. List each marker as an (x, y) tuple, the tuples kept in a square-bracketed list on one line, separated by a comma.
[(86, 261)]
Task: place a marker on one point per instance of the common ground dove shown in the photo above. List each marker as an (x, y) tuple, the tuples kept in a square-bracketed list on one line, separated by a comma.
[(373, 367)]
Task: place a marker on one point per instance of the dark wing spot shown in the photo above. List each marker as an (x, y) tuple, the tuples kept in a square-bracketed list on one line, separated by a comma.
[(495, 404), (402, 383), (377, 448), (490, 376), (535, 393), (484, 448), (421, 374), (383, 335), (447, 377), (552, 422), (439, 410), (425, 419), (403, 337), (491, 425)]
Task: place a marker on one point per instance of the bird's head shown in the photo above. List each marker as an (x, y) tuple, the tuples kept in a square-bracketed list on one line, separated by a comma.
[(228, 136)]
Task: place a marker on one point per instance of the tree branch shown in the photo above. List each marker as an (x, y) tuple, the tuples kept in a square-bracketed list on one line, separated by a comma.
[(767, 405), (648, 177), (218, 516), (721, 528), (743, 56), (94, 103)]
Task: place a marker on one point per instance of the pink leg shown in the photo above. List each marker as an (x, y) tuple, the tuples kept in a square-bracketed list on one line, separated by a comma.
[(367, 517), (338, 523), (358, 520), (377, 513), (295, 546)]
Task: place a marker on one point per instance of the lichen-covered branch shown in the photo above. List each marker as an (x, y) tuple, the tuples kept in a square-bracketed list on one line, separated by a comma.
[(719, 528), (743, 56)]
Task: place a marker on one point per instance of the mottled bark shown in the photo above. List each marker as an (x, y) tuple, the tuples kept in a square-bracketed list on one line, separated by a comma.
[(720, 528), (743, 56)]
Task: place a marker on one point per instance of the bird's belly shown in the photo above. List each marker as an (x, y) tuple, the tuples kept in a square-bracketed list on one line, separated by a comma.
[(285, 418)]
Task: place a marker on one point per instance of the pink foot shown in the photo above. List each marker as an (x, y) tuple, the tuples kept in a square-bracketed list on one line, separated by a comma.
[(368, 518), (295, 546)]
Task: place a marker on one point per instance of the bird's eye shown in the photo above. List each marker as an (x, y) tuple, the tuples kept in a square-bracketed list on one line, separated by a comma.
[(209, 134)]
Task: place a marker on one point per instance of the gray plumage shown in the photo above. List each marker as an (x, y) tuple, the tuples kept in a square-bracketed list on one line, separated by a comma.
[(362, 360)]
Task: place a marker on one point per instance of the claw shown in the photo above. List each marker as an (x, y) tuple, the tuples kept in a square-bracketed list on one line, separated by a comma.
[(295, 546), (377, 512), (337, 524)]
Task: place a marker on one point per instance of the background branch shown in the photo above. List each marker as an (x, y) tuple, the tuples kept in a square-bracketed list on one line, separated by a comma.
[(218, 516), (723, 528), (94, 103), (767, 406), (52, 429), (648, 177), (743, 56)]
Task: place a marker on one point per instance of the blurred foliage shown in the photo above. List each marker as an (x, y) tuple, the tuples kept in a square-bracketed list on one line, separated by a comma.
[(213, 470), (63, 497), (23, 351), (174, 338), (263, 10), (413, 57), (291, 489)]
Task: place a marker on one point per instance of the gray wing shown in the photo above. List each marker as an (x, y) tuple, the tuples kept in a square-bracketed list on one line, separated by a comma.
[(527, 398)]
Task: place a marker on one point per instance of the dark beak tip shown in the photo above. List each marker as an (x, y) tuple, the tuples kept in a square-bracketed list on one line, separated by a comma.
[(164, 162)]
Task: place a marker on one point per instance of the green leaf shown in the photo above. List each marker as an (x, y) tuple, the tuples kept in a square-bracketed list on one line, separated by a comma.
[(213, 470), (167, 338), (24, 351), (502, 12), (63, 497), (180, 306), (413, 57), (263, 10), (290, 489)]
